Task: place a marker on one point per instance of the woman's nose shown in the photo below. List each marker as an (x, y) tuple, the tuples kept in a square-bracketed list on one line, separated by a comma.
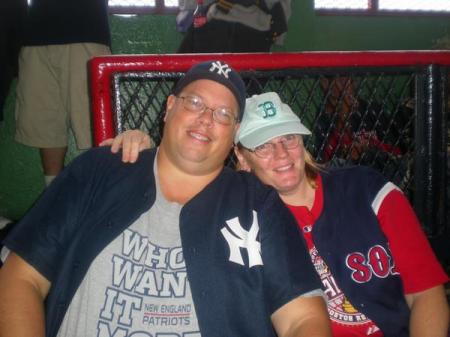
[(279, 150)]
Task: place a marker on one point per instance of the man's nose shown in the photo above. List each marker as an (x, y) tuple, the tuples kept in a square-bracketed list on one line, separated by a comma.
[(206, 117)]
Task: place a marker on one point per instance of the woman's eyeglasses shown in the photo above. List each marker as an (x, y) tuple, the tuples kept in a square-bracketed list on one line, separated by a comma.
[(266, 150)]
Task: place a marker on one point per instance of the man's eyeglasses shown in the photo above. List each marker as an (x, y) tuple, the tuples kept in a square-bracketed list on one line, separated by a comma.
[(220, 114), (267, 150)]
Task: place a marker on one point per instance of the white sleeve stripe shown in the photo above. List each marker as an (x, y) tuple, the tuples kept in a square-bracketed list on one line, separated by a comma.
[(382, 193)]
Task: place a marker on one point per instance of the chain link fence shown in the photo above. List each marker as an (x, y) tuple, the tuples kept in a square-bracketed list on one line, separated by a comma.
[(364, 117)]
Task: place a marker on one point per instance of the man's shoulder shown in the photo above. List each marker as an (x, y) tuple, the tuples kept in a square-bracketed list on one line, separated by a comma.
[(245, 180), (247, 184), (103, 154), (100, 162)]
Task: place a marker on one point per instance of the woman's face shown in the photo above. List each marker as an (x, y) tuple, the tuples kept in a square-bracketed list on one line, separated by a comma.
[(284, 168)]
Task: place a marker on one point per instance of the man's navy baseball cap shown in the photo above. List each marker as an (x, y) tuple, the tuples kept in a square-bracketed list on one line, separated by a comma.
[(217, 71)]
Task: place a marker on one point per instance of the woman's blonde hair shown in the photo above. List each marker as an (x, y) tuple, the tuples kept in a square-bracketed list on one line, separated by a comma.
[(312, 168)]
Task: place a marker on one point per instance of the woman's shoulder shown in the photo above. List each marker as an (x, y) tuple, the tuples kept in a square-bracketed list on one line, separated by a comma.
[(351, 172), (359, 177)]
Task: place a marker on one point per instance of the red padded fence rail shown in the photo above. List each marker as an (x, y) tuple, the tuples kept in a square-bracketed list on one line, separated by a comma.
[(103, 67)]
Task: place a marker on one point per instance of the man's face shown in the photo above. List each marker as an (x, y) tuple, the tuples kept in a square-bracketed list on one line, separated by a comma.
[(195, 142), (284, 169)]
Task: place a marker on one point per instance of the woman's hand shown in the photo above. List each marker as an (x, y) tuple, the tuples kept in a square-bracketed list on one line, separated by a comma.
[(132, 142)]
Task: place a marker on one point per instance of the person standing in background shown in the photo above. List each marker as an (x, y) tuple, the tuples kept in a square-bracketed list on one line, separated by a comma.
[(60, 36), (232, 26)]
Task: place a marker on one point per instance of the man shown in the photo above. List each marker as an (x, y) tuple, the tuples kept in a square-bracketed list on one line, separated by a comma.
[(60, 36), (174, 245)]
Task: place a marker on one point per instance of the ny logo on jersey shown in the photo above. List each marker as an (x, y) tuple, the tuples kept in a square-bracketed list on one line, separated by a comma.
[(221, 69), (237, 237)]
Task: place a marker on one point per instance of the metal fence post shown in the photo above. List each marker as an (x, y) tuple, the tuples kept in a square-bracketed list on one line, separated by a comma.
[(430, 164)]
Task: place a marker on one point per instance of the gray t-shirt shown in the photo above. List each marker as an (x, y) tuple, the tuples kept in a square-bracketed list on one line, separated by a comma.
[(138, 285)]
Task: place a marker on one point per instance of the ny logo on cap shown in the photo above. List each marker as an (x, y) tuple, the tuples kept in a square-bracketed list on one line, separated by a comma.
[(269, 109), (221, 69)]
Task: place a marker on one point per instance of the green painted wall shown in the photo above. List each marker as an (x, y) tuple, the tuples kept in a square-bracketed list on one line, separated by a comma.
[(21, 179), (310, 32)]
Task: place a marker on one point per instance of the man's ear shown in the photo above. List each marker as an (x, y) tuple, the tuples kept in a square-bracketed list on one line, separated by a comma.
[(169, 105), (235, 130), (242, 161)]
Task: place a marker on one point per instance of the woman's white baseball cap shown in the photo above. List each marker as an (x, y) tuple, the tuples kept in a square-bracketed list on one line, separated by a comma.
[(265, 118)]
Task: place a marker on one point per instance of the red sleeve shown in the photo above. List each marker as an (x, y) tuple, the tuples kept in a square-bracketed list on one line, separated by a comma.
[(412, 253)]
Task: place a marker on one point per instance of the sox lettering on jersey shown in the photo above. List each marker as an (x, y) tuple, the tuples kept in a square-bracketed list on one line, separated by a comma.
[(377, 262), (221, 69), (238, 238)]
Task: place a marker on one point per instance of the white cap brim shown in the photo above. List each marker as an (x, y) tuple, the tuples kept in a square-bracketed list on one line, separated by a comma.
[(264, 134)]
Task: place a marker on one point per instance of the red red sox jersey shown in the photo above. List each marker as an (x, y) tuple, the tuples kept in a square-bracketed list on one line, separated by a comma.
[(413, 259)]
